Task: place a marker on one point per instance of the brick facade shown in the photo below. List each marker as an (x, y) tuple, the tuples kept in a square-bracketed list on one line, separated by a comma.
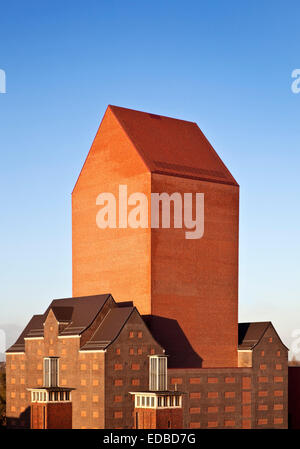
[(247, 397), (159, 269), (230, 375), (101, 379)]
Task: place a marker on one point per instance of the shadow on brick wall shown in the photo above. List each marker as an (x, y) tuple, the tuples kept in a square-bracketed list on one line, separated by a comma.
[(171, 337)]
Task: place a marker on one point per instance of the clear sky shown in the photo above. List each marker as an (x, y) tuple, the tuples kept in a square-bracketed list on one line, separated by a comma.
[(225, 64)]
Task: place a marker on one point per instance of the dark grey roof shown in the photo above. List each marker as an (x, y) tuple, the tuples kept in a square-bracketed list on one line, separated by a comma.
[(63, 314), (76, 313), (251, 333), (109, 328), (81, 311), (34, 324)]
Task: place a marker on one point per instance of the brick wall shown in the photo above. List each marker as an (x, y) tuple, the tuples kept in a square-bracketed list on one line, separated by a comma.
[(196, 281), (161, 271), (127, 369), (253, 397), (270, 367), (158, 418), (51, 416), (17, 397), (110, 260)]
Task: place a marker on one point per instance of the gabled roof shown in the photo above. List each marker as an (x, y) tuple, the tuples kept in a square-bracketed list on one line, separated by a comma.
[(172, 146), (77, 313), (109, 328), (35, 323), (81, 311), (250, 334)]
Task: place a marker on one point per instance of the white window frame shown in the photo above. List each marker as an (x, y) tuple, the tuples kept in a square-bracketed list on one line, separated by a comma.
[(158, 380), (50, 371)]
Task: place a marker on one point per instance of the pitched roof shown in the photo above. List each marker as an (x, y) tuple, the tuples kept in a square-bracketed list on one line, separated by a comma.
[(109, 328), (78, 313), (81, 311), (250, 334), (172, 146), (34, 324)]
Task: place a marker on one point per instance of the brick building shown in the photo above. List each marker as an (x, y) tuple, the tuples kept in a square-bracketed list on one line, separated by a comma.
[(91, 358)]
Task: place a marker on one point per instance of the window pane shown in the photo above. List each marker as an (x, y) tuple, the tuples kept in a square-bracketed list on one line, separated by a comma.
[(54, 372), (46, 373)]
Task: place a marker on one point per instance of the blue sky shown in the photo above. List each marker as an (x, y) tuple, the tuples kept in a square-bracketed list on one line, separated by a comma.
[(226, 65)]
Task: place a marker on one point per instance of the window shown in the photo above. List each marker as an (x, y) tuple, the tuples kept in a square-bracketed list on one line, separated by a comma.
[(176, 381), (229, 408), (278, 379), (263, 407), (278, 393), (195, 395), (212, 394), (262, 393), (212, 409), (158, 373), (195, 380), (135, 366), (51, 372), (262, 379), (278, 407), (212, 380), (229, 380)]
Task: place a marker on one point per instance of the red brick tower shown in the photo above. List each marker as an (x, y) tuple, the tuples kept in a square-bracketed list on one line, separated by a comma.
[(191, 282)]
